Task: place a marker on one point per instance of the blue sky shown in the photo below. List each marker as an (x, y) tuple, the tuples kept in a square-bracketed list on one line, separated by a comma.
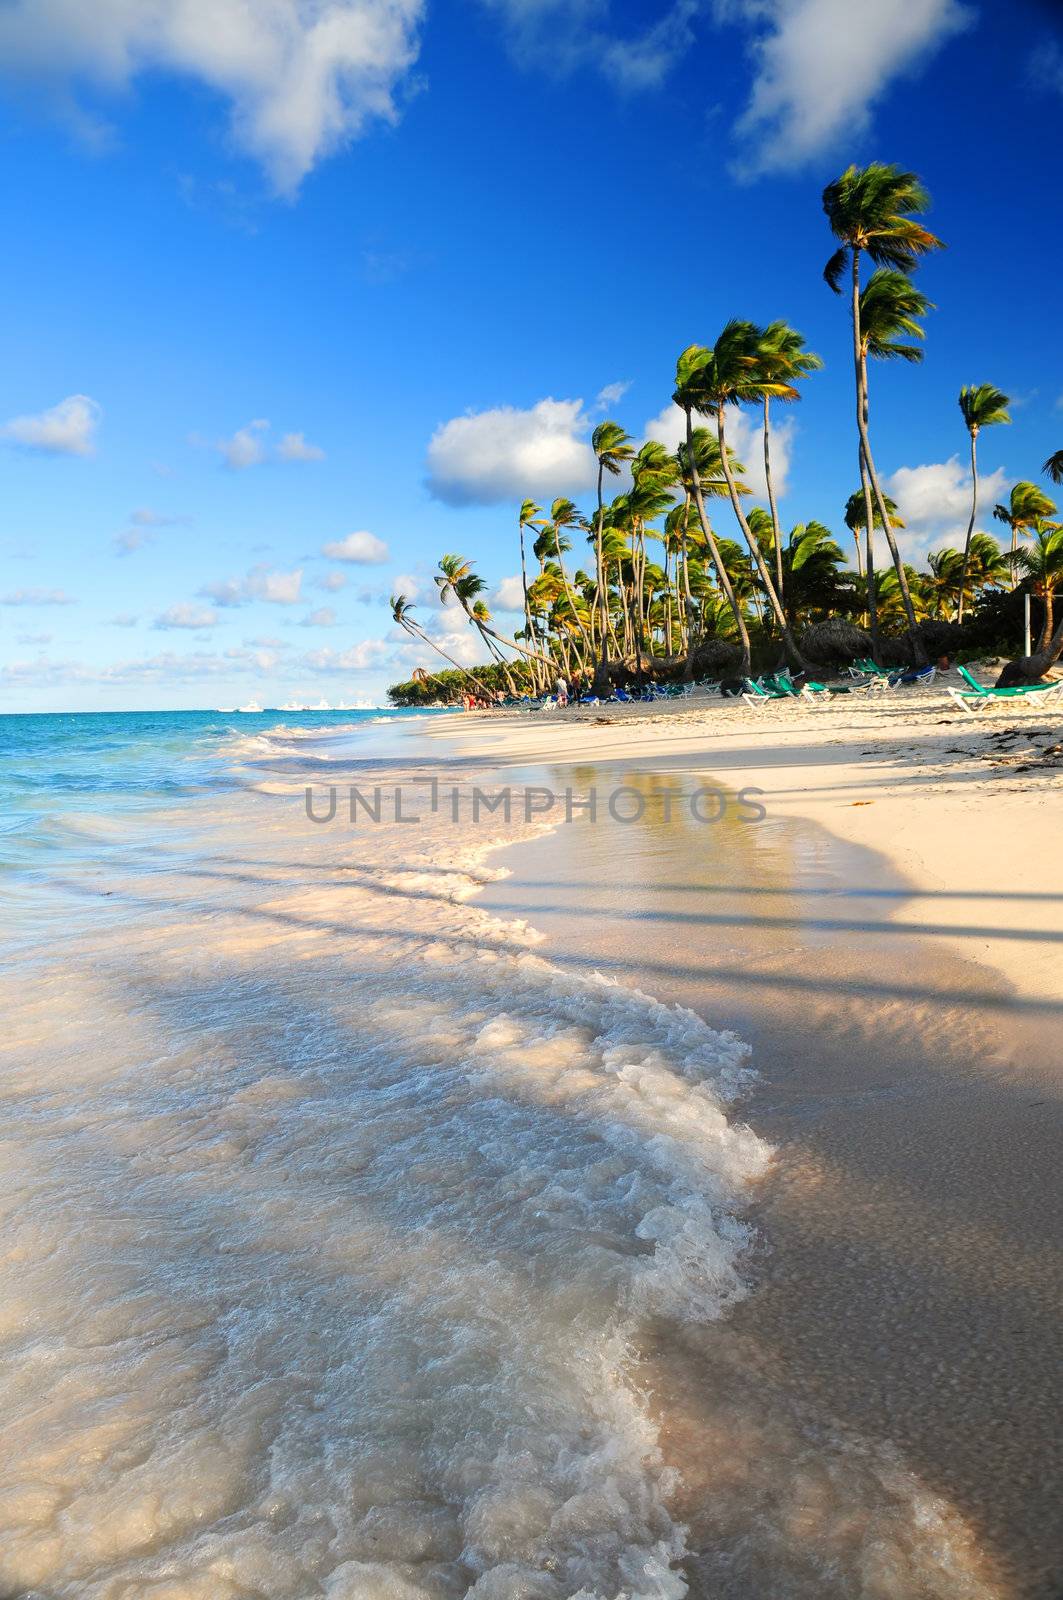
[(300, 294)]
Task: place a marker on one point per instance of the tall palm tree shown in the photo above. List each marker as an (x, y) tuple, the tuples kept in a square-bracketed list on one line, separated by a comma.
[(688, 396), (400, 612), (861, 516), (981, 406), (782, 358), (612, 447), (1053, 467), (530, 517), (1026, 505), (873, 211), (728, 375), (1043, 563), (563, 514)]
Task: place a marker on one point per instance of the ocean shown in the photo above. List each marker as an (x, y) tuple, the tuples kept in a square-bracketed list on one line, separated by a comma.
[(337, 1218), (331, 1209)]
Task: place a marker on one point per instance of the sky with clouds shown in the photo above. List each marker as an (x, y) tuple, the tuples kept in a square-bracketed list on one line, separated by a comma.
[(300, 294)]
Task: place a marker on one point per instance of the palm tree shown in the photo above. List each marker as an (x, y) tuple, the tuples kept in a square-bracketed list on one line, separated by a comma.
[(687, 396), (1043, 563), (530, 515), (457, 580), (612, 446), (812, 560), (563, 514), (1026, 506), (1053, 467), (400, 612), (982, 406), (873, 210), (783, 359), (727, 375)]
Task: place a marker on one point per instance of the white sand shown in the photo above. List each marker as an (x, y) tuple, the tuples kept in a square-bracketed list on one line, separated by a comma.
[(941, 794)]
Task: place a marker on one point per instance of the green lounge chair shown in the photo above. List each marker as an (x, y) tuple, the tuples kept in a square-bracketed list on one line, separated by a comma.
[(978, 698)]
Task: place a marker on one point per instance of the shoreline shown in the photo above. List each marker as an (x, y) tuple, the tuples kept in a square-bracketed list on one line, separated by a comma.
[(863, 771), (903, 1298)]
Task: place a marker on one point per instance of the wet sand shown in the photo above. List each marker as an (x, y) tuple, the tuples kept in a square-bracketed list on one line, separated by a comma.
[(905, 1310)]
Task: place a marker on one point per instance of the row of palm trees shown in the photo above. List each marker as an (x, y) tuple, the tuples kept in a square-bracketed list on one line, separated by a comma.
[(630, 606)]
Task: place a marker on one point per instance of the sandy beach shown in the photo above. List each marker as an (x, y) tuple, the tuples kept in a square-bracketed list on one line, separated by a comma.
[(440, 1207), (889, 948)]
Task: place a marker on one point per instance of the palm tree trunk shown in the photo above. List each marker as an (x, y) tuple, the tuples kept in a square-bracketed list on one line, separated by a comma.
[(919, 656), (792, 652), (771, 502), (970, 525), (572, 604), (601, 673), (1028, 669), (872, 586), (722, 577), (528, 621), (417, 633)]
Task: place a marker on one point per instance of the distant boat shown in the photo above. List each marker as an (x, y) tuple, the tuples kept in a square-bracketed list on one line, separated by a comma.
[(252, 705)]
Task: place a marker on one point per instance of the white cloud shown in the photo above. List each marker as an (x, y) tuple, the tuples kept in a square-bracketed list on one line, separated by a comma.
[(821, 66), (186, 615), (562, 36), (124, 619), (509, 596), (226, 592), (461, 644), (68, 429), (261, 583), (331, 581), (412, 584), (360, 657), (144, 525), (323, 617), (744, 436), (935, 502), (303, 77), (296, 447), (363, 548), (246, 448), (279, 588), (36, 597), (505, 454), (610, 395)]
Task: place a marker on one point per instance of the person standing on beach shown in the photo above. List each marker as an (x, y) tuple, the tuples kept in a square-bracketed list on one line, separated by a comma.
[(562, 690)]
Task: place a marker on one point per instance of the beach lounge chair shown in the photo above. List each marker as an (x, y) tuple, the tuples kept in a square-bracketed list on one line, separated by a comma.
[(759, 694), (978, 697), (925, 675)]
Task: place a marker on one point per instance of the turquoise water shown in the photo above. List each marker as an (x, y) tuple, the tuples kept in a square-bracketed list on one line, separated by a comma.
[(55, 767)]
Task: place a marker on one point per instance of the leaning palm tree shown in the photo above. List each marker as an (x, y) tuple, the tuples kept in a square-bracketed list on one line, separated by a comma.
[(1026, 506), (1053, 467), (400, 612), (456, 580), (612, 446), (530, 517), (688, 397), (782, 358), (872, 211), (982, 406), (728, 375)]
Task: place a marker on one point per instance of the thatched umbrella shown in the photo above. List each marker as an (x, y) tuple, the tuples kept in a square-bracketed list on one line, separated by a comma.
[(835, 641), (713, 654)]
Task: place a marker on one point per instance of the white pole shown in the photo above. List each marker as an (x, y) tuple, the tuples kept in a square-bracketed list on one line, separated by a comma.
[(1028, 651)]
